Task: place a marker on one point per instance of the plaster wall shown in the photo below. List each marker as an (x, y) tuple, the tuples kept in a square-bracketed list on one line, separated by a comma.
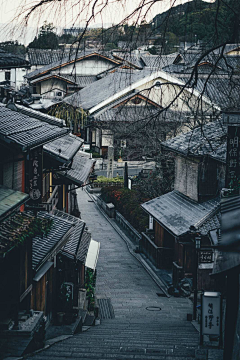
[(107, 138), (51, 84), (87, 67), (186, 177), (16, 77), (165, 94)]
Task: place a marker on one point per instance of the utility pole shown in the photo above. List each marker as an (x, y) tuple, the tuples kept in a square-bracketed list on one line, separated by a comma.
[(126, 175), (110, 162)]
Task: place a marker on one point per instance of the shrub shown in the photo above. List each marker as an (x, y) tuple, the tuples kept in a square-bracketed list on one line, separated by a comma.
[(128, 202), (106, 180)]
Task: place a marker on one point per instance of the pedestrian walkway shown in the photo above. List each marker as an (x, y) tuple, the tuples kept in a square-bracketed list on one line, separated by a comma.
[(141, 325)]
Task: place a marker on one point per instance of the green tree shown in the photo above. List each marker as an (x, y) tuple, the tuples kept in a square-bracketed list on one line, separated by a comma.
[(47, 38), (13, 47)]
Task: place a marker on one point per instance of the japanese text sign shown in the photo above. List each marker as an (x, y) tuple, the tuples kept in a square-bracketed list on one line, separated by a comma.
[(211, 313), (35, 175), (233, 157), (205, 257)]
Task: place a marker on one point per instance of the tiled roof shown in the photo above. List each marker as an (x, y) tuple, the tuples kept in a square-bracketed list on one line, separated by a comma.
[(80, 170), (130, 58), (102, 89), (83, 247), (227, 48), (26, 131), (10, 199), (71, 248), (213, 223), (45, 57), (210, 139), (43, 246), (222, 91), (40, 116), (131, 113), (81, 81), (64, 148), (176, 212), (158, 61), (201, 69), (60, 63), (8, 61)]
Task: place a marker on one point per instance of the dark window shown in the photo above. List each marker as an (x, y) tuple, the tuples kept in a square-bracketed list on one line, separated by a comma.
[(157, 84), (7, 75), (136, 100)]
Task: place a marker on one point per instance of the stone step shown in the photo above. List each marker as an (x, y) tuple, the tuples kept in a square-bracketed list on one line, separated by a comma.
[(122, 351), (101, 356)]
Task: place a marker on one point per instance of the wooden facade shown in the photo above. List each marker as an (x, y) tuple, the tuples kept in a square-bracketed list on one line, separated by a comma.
[(16, 281), (43, 293)]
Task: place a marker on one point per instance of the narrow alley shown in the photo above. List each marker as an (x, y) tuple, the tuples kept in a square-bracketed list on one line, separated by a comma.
[(143, 325)]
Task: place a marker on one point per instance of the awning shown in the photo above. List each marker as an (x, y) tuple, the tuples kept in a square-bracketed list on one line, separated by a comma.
[(10, 200), (92, 255)]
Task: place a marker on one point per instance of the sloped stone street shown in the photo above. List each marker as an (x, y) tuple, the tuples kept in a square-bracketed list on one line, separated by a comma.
[(145, 325)]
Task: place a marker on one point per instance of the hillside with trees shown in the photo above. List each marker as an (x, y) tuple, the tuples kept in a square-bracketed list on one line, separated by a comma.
[(210, 22)]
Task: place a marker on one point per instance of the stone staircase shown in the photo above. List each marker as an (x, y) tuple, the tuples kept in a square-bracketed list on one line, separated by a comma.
[(137, 339)]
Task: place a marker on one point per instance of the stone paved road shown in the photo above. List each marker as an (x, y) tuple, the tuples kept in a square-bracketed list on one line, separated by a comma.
[(135, 332)]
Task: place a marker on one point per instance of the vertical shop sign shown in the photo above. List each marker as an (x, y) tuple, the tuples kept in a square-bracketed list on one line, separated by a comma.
[(211, 313), (35, 175)]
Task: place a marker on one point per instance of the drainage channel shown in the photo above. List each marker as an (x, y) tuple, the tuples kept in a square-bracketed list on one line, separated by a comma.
[(105, 309)]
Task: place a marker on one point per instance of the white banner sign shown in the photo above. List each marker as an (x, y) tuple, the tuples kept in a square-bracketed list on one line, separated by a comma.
[(211, 313)]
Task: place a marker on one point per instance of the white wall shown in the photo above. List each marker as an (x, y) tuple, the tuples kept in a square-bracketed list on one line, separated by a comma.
[(16, 77), (165, 94), (51, 84), (87, 67), (107, 138)]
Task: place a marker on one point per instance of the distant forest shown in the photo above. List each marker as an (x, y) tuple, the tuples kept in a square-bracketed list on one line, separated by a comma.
[(216, 22)]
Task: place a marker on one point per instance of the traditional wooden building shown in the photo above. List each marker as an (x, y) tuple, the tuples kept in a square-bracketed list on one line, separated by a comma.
[(31, 238), (193, 204)]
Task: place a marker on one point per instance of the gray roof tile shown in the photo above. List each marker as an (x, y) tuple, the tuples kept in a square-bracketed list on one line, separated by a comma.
[(64, 148), (158, 61), (133, 113), (176, 212), (212, 223), (80, 170), (46, 57), (108, 86), (64, 60), (8, 60), (210, 139), (26, 131), (83, 247), (42, 246), (71, 248)]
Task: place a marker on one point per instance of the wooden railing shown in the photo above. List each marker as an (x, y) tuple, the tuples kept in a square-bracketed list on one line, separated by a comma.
[(161, 257)]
